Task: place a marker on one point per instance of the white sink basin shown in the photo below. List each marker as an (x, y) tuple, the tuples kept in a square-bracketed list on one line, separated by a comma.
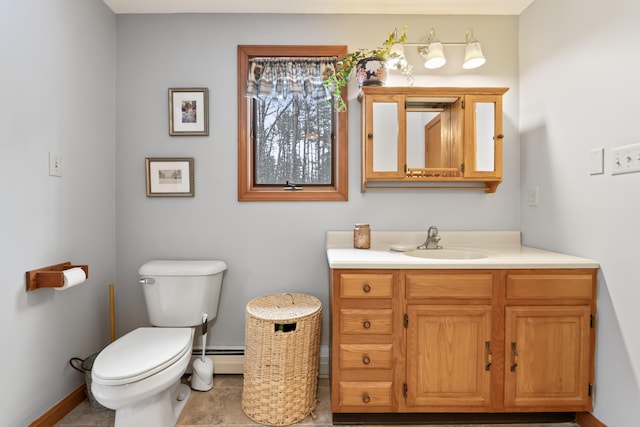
[(445, 254)]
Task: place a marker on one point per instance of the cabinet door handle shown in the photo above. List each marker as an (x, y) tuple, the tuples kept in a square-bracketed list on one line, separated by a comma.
[(366, 288), (366, 324), (366, 398), (487, 345), (514, 350), (369, 135), (366, 360)]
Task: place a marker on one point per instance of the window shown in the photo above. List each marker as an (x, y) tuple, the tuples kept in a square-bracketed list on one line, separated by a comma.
[(297, 142)]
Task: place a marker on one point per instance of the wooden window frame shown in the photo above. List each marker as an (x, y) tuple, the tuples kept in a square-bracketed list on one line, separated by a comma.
[(247, 191)]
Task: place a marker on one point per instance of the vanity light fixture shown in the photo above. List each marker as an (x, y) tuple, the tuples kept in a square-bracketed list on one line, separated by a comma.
[(473, 57), (431, 49), (432, 52)]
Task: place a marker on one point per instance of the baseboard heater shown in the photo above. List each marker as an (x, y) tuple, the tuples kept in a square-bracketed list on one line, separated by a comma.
[(225, 361), (220, 352), (230, 360)]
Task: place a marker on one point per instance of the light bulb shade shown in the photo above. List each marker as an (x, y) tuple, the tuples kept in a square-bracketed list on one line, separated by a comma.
[(473, 57), (434, 57), (396, 58)]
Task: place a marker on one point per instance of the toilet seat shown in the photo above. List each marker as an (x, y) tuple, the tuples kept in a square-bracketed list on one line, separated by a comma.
[(140, 354)]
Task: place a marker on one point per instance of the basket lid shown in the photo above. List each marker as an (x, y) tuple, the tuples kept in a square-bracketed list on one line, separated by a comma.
[(283, 307)]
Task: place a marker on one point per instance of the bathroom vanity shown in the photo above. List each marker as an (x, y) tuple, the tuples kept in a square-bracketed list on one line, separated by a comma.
[(484, 325)]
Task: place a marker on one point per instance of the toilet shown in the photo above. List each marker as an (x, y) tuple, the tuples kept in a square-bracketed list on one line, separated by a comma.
[(138, 375)]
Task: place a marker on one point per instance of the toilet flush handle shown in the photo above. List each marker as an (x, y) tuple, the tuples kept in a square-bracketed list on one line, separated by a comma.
[(147, 280)]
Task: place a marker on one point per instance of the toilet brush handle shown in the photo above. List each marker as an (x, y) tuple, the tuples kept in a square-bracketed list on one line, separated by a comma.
[(204, 323), (204, 334), (204, 339)]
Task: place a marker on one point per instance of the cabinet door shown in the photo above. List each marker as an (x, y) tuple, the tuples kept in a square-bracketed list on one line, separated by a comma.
[(448, 357), (547, 358), (483, 136), (384, 137)]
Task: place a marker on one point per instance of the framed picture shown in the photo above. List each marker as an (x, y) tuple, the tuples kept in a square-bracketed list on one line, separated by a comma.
[(189, 111), (170, 177)]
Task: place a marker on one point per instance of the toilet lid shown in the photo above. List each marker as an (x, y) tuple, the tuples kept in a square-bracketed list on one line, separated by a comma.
[(141, 353)]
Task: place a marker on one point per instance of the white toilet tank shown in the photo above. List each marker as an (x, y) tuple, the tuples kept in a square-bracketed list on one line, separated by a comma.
[(179, 292)]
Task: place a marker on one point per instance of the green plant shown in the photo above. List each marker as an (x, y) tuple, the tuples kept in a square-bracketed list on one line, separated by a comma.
[(346, 65)]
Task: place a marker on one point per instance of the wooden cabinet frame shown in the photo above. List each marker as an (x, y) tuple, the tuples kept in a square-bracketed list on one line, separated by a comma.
[(461, 135), (548, 313)]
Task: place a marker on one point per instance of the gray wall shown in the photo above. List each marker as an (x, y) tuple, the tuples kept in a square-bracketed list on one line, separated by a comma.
[(59, 76), (58, 91), (579, 91), (279, 246)]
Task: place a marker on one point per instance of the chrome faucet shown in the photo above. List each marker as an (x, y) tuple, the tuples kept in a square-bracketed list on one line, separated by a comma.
[(433, 239)]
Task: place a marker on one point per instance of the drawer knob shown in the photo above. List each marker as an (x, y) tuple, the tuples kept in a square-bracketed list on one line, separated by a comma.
[(366, 398), (366, 288), (366, 324), (366, 360)]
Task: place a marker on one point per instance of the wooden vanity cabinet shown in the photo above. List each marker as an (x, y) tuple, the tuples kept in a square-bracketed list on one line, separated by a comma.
[(462, 340)]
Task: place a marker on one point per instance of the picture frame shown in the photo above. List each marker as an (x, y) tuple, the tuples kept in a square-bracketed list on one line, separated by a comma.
[(189, 111), (170, 177)]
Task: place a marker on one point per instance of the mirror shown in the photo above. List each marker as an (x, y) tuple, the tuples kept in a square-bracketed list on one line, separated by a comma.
[(429, 133), (485, 144), (385, 145)]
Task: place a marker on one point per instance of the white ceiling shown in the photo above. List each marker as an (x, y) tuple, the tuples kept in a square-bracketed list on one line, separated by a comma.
[(397, 7)]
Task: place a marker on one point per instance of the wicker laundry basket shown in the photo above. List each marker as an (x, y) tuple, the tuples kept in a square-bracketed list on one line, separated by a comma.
[(281, 358)]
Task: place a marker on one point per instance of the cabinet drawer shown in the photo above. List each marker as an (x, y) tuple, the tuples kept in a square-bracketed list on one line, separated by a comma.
[(353, 285), (365, 356), (549, 286), (361, 321), (365, 393), (442, 285)]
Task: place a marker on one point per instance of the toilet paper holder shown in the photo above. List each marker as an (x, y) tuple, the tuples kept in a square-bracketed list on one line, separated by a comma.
[(51, 276)]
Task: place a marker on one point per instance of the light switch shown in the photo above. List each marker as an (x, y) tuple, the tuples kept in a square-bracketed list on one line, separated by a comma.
[(625, 159), (55, 164), (596, 161), (533, 195)]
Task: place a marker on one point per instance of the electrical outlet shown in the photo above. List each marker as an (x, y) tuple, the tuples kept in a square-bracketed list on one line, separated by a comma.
[(55, 164), (625, 159), (533, 195)]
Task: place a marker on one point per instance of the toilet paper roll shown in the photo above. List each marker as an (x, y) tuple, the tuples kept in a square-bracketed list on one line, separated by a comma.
[(72, 277)]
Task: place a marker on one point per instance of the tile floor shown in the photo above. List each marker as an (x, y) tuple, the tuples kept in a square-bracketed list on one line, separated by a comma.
[(221, 406)]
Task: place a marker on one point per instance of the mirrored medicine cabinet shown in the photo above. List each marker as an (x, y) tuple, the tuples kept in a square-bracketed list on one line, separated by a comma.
[(441, 137)]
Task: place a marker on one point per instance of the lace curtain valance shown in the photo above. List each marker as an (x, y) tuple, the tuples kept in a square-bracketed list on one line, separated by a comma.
[(283, 78)]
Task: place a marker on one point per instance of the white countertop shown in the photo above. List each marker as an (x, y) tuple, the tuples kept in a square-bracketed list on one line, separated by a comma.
[(503, 250)]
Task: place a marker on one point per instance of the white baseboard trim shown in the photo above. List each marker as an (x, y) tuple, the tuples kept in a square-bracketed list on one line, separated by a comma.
[(227, 361)]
